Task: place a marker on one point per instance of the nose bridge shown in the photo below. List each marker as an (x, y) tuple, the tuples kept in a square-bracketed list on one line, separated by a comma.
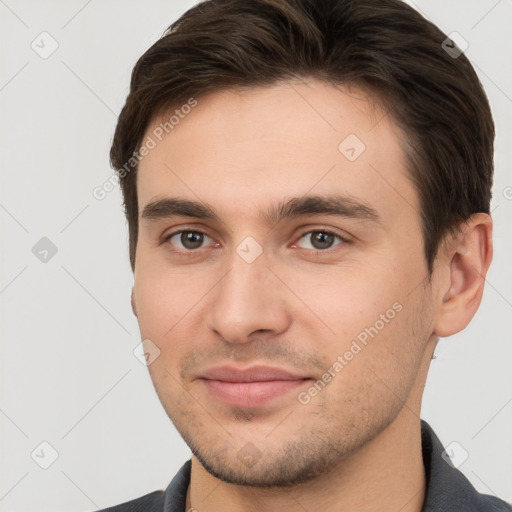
[(247, 298)]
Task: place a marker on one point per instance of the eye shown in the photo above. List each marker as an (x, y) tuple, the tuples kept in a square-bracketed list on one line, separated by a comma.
[(320, 240), (189, 240)]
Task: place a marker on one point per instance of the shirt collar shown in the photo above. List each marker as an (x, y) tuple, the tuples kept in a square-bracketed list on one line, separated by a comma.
[(448, 490)]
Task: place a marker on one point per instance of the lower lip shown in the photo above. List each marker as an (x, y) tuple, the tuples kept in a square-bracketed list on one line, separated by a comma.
[(250, 394)]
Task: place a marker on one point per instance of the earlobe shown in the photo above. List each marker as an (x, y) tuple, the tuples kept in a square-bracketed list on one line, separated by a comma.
[(467, 257), (134, 308)]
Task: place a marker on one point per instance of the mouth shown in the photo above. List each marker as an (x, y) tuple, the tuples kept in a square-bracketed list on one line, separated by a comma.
[(250, 387)]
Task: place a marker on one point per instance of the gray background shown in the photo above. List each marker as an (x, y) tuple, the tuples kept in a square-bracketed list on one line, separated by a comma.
[(68, 373)]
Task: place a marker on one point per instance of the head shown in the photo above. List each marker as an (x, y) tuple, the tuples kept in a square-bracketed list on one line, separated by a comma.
[(307, 185)]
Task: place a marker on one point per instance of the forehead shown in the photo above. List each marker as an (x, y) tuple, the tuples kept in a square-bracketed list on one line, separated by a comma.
[(244, 149)]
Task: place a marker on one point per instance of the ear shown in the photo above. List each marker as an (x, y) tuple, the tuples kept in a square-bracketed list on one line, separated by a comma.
[(466, 259), (134, 308)]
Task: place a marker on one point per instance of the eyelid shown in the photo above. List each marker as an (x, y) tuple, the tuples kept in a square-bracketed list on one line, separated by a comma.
[(343, 238), (167, 237), (330, 231), (175, 230)]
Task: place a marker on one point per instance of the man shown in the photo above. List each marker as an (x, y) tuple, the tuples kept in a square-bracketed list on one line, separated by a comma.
[(307, 187)]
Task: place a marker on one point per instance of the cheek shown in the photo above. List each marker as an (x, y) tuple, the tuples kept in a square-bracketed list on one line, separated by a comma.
[(341, 302), (394, 344), (375, 366), (162, 302), (376, 329)]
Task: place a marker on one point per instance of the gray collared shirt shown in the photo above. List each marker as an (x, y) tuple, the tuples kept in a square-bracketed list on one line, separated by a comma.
[(448, 490)]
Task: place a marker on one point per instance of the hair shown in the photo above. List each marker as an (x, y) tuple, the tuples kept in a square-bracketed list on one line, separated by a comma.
[(384, 46)]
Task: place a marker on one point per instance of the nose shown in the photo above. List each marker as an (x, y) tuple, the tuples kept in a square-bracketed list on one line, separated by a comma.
[(248, 302)]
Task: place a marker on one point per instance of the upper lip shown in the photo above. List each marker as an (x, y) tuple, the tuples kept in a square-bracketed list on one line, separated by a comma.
[(252, 374)]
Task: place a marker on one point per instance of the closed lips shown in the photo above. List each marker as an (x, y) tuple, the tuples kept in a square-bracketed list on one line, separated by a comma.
[(254, 374)]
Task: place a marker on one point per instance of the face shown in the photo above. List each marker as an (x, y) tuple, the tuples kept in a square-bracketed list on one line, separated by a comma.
[(280, 273)]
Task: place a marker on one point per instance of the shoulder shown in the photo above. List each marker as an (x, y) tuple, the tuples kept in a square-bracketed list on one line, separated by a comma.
[(173, 499), (152, 502), (448, 489), (487, 503)]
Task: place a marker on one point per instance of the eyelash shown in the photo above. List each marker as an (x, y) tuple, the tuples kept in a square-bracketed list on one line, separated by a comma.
[(343, 240), (191, 252)]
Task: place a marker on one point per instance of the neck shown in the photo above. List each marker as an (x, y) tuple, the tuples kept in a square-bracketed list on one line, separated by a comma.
[(387, 474)]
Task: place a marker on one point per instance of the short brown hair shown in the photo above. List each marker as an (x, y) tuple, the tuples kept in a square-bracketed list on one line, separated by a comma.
[(384, 45)]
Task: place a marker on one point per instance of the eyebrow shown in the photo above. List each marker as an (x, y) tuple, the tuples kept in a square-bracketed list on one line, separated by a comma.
[(335, 205)]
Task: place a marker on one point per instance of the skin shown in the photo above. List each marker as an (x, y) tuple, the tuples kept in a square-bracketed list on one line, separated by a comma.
[(356, 444)]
